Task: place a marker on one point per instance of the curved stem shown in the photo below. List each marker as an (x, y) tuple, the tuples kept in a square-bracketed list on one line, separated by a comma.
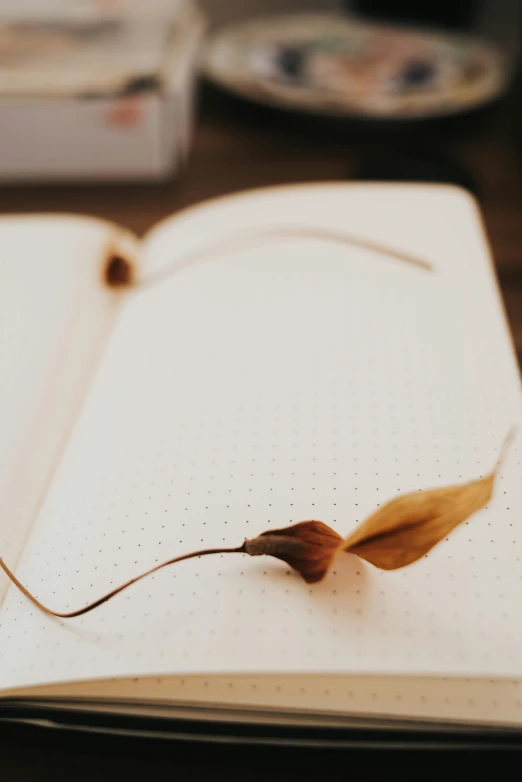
[(70, 614), (237, 242)]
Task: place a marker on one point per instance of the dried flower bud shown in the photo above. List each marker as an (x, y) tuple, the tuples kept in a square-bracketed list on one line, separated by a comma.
[(308, 547), (399, 533)]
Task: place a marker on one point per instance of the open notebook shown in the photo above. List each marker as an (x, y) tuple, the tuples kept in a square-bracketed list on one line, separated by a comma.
[(265, 375)]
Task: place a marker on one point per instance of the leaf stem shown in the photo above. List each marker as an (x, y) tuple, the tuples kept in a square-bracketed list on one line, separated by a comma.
[(70, 614)]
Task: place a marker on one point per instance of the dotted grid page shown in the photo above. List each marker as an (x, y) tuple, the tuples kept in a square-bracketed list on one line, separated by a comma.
[(290, 380), (54, 316)]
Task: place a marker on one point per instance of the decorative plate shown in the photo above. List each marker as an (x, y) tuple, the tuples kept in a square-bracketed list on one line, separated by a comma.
[(340, 66)]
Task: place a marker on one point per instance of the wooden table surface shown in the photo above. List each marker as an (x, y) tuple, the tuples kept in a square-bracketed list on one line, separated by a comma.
[(239, 146)]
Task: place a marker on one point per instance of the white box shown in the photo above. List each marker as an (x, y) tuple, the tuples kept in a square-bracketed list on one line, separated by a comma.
[(117, 114)]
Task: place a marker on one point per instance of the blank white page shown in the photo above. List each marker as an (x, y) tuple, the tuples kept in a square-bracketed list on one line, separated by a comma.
[(289, 380), (54, 317)]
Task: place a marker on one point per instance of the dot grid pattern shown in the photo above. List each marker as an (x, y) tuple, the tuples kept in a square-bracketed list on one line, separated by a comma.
[(291, 381)]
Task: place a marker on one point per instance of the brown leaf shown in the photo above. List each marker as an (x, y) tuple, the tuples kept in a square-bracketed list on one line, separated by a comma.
[(408, 527), (308, 547), (394, 536)]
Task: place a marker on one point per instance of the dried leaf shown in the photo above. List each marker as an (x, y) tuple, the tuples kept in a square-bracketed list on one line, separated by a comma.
[(308, 547), (406, 528), (396, 535)]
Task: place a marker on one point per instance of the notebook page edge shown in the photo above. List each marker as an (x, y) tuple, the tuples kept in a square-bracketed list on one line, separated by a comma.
[(115, 238), (422, 699)]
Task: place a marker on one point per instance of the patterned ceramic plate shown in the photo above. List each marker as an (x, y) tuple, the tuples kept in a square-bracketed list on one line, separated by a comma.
[(338, 65)]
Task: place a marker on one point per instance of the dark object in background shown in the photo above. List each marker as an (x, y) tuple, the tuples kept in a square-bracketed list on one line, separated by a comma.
[(292, 60), (457, 15), (398, 163), (516, 106)]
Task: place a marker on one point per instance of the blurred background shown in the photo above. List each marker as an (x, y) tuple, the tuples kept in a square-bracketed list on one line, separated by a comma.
[(493, 18), (132, 111)]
